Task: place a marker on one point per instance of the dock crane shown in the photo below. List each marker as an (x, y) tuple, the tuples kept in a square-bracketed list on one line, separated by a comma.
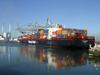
[(36, 27)]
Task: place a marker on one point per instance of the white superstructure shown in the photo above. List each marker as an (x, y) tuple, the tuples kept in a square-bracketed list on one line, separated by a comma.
[(50, 30)]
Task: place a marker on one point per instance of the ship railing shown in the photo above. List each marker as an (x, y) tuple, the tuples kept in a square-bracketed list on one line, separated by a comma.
[(90, 38)]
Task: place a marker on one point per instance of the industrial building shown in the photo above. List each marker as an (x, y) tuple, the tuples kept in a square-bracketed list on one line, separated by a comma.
[(6, 36)]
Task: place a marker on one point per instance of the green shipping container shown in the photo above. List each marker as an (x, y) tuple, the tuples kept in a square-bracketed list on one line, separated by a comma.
[(64, 31)]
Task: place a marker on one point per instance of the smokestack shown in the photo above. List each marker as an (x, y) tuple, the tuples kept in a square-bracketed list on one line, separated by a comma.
[(2, 29), (10, 27)]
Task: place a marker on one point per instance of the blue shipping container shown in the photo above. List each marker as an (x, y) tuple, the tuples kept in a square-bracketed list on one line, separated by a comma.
[(64, 36), (45, 31), (58, 59), (80, 30), (37, 35), (58, 33), (44, 60)]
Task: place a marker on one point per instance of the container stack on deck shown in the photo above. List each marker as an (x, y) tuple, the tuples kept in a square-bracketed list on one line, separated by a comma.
[(59, 33), (37, 35), (64, 33), (45, 34), (41, 34), (33, 35), (54, 34)]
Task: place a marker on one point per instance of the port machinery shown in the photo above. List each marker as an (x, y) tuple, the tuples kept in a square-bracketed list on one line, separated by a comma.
[(36, 26)]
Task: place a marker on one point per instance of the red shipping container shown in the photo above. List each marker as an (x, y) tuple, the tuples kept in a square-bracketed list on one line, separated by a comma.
[(53, 60), (64, 29), (54, 33)]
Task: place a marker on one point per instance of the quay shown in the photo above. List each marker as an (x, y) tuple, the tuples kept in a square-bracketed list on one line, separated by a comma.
[(95, 51)]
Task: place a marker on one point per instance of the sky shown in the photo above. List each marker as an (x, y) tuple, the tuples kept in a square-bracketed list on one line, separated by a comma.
[(79, 14)]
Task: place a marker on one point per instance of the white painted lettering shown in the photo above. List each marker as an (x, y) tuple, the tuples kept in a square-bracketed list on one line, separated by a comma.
[(32, 42)]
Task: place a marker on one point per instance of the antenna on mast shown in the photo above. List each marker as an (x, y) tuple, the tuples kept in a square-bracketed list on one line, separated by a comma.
[(64, 25)]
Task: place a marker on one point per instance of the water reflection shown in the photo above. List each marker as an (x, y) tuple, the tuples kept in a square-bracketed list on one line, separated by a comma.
[(5, 50), (95, 61), (51, 58)]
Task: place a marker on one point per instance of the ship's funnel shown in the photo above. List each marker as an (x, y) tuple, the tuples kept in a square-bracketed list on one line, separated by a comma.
[(2, 29)]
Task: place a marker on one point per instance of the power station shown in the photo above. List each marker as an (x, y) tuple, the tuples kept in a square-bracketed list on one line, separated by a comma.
[(6, 36)]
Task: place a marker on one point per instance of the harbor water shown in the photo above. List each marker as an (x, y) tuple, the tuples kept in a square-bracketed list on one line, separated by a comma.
[(22, 59)]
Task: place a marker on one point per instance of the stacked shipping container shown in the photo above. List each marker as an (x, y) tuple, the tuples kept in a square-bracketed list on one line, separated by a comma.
[(59, 33), (24, 36), (33, 35), (37, 35), (84, 32), (54, 34), (68, 32), (29, 36), (64, 33), (41, 34), (72, 32), (45, 33)]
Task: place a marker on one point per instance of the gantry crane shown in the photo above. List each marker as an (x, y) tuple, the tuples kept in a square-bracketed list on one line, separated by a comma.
[(37, 26)]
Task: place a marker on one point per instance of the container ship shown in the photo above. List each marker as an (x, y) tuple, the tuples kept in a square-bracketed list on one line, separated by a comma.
[(56, 36)]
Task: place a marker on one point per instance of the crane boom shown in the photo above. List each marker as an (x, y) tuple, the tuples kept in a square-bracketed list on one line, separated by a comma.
[(36, 26)]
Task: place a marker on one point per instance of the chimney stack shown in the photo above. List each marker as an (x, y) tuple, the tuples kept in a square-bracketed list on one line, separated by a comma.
[(10, 27), (2, 29)]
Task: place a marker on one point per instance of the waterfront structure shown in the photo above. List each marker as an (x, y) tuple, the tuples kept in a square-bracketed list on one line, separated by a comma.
[(6, 36)]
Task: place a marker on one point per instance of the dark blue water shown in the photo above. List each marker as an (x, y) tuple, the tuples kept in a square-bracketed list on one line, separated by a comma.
[(18, 59)]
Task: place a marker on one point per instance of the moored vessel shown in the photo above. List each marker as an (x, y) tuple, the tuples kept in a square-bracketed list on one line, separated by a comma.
[(56, 36)]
